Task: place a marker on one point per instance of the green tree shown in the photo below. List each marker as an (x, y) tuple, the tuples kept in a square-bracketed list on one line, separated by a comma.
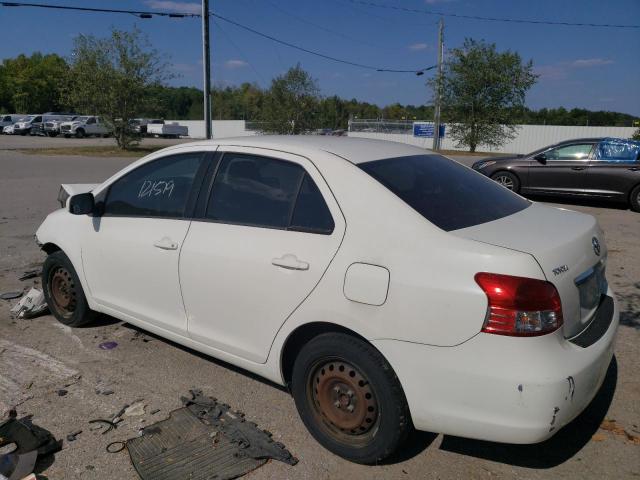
[(291, 103), (32, 84), (115, 77), (483, 93), (636, 135)]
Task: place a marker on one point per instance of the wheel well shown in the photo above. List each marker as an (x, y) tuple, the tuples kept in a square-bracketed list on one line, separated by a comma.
[(302, 335), (631, 190), (49, 248), (504, 170)]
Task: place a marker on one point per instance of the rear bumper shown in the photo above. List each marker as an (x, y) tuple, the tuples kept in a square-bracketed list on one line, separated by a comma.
[(502, 389)]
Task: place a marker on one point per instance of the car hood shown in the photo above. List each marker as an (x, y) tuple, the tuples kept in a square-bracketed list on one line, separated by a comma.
[(562, 242)]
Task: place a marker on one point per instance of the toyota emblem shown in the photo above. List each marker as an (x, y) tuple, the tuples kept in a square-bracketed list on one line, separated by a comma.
[(596, 245)]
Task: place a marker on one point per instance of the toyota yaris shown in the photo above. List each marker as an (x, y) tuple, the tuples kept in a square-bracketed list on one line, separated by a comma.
[(388, 287)]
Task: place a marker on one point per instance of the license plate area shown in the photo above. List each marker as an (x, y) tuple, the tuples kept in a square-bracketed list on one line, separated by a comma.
[(592, 285)]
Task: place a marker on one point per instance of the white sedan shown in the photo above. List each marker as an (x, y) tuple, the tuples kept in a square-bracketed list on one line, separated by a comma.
[(388, 287)]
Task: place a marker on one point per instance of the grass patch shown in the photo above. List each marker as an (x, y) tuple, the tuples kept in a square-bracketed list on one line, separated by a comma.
[(94, 151)]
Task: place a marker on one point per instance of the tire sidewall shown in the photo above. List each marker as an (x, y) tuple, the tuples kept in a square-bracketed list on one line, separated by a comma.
[(390, 432), (634, 201)]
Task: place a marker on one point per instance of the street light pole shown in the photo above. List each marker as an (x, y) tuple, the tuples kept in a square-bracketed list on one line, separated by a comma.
[(206, 64), (436, 116)]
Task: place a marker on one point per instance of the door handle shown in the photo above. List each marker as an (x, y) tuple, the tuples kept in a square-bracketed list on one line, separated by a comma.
[(578, 168), (290, 262), (165, 243)]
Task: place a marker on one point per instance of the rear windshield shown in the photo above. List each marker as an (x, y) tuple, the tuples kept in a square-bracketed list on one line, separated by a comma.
[(444, 192)]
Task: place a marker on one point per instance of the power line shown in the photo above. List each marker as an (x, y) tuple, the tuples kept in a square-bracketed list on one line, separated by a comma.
[(237, 48), (149, 14), (489, 19), (139, 13), (318, 54)]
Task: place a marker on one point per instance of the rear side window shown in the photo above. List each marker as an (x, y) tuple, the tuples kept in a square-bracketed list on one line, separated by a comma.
[(160, 188), (266, 192), (444, 192), (311, 213)]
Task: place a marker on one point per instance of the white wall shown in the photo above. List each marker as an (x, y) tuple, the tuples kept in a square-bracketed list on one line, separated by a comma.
[(529, 137), (221, 128)]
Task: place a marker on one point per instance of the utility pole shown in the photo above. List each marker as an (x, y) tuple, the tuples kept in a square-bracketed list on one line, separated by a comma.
[(206, 64), (436, 116)]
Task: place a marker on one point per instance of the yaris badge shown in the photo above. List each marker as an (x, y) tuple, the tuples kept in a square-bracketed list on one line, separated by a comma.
[(596, 245)]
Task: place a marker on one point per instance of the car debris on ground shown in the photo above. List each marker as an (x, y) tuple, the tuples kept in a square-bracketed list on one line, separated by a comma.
[(31, 305), (203, 439), (31, 442), (11, 295)]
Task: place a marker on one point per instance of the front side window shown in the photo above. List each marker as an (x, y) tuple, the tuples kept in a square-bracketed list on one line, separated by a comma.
[(444, 192), (266, 192), (160, 188), (570, 152), (91, 120)]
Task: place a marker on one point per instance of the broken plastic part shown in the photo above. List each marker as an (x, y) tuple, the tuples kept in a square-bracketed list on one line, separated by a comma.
[(31, 305)]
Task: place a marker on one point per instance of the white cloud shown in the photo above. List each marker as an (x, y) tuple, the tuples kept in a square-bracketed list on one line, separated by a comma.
[(591, 62), (561, 70), (234, 64), (181, 7), (418, 46)]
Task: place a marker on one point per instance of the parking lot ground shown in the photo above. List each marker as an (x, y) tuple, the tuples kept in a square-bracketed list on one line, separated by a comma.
[(158, 371)]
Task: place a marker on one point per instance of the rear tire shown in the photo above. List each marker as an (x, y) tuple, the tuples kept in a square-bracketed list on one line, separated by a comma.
[(349, 398), (507, 180), (634, 199), (63, 291)]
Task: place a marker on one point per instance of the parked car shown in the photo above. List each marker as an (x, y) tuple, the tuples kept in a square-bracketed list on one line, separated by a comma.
[(9, 119), (606, 168), (166, 130), (84, 126), (35, 124), (8, 130), (52, 126), (139, 125), (438, 307), (29, 124)]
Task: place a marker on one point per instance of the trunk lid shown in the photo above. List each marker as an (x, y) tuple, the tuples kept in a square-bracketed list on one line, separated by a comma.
[(569, 247)]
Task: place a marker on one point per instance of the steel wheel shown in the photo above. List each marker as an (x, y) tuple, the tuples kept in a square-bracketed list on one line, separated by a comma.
[(343, 401), (505, 181), (63, 291)]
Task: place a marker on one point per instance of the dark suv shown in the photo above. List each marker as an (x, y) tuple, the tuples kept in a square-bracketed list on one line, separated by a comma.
[(606, 168)]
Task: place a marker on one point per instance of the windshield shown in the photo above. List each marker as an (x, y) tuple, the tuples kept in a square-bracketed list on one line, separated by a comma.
[(81, 119), (444, 192)]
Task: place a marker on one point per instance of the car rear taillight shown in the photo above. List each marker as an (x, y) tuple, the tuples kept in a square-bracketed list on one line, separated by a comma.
[(519, 306)]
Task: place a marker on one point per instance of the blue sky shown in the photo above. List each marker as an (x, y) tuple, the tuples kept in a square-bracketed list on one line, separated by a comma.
[(595, 68)]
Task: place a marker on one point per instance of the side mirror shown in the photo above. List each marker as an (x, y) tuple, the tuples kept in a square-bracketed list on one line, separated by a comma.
[(541, 157), (82, 204)]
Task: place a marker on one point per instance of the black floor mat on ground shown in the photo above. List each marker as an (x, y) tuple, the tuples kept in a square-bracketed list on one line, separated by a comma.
[(204, 440), (182, 447)]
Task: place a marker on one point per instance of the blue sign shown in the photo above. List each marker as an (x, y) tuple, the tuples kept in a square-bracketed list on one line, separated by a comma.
[(423, 129)]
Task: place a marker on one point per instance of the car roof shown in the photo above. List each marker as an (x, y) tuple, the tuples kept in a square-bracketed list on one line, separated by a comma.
[(355, 150)]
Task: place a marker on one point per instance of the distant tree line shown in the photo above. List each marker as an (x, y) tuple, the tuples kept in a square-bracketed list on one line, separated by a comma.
[(36, 83)]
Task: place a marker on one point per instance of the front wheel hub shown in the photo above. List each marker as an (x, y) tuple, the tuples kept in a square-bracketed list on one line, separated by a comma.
[(63, 290)]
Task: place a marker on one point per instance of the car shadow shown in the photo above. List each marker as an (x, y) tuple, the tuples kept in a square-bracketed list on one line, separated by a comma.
[(550, 453), (580, 201)]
